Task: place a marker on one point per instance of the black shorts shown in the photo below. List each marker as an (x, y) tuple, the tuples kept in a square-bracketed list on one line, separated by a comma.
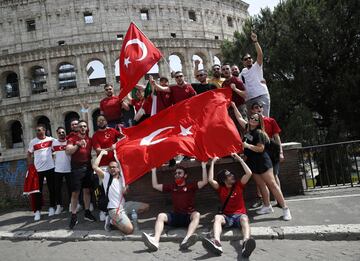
[(80, 177), (178, 220)]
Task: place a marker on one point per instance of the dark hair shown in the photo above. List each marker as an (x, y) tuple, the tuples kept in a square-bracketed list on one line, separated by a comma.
[(202, 71), (74, 119), (40, 125), (177, 72), (225, 64), (216, 65), (80, 121), (246, 54), (180, 167), (60, 128), (164, 79), (222, 175), (100, 115), (108, 85)]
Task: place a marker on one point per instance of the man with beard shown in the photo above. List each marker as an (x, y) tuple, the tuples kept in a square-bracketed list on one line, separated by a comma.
[(216, 79), (235, 71), (204, 85), (79, 147)]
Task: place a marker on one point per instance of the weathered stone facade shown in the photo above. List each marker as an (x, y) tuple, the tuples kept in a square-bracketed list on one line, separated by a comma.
[(46, 46)]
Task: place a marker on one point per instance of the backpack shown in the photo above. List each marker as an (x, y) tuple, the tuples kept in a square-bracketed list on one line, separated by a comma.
[(102, 198)]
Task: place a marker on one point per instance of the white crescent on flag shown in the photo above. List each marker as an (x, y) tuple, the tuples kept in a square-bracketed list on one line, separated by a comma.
[(146, 141), (141, 45)]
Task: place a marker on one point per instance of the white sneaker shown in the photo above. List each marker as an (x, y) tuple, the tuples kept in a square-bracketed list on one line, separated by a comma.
[(91, 207), (37, 216), (70, 207), (102, 216), (287, 214), (107, 225), (51, 212), (59, 209), (78, 208), (265, 210), (150, 242)]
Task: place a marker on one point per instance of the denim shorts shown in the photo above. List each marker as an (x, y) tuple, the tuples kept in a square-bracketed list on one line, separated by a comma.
[(233, 220)]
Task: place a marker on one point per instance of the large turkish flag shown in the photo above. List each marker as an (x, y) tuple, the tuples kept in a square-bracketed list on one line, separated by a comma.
[(197, 127), (138, 54)]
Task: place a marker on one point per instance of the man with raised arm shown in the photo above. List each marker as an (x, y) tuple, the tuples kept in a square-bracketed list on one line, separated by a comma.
[(184, 213), (253, 78), (233, 210)]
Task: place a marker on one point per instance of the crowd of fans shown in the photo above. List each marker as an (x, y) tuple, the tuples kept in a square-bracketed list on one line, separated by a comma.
[(69, 157)]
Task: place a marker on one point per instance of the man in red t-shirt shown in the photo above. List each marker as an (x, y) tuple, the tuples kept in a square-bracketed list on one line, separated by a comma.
[(111, 107), (179, 92), (233, 211), (79, 147), (184, 214)]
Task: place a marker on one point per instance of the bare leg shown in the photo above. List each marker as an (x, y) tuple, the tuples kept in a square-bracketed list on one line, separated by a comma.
[(245, 227), (159, 225), (263, 189), (143, 208), (87, 198), (268, 178), (218, 222), (195, 218), (74, 201)]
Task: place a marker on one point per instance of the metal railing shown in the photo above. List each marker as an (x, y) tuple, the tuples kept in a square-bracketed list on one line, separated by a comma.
[(330, 165)]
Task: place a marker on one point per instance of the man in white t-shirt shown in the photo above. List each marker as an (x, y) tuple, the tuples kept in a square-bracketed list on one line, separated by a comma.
[(252, 76), (62, 167), (40, 153)]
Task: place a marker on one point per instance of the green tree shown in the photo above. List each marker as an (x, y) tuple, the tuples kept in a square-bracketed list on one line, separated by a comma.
[(311, 64)]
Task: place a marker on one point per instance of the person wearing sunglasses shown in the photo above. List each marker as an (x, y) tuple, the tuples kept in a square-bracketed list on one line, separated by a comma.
[(216, 78), (204, 85), (232, 213), (62, 167), (40, 154), (252, 76), (79, 147), (180, 91), (184, 213), (255, 142)]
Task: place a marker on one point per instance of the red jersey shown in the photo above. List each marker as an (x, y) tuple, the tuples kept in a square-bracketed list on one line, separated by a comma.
[(73, 133), (104, 139), (271, 127), (83, 154), (183, 197), (239, 85), (163, 101), (111, 108), (179, 94), (236, 204)]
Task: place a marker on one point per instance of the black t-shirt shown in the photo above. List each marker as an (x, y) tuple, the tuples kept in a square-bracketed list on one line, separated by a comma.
[(200, 87)]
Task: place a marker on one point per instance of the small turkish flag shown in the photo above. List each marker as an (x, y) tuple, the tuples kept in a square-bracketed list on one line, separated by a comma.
[(197, 127), (137, 56)]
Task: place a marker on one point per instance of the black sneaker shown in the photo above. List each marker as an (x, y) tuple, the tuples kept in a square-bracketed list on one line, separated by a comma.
[(213, 246), (172, 163), (88, 216), (258, 203), (185, 244), (248, 247), (73, 221)]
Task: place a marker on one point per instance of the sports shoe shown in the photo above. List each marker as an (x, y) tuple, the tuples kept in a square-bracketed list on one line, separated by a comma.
[(73, 221), (265, 210), (258, 203), (188, 242), (58, 210), (91, 208), (37, 215), (213, 246), (150, 242), (286, 214), (51, 212), (102, 216), (248, 247), (88, 216), (107, 225), (78, 208)]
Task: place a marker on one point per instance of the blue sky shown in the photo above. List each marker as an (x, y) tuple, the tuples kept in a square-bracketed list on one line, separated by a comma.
[(256, 5)]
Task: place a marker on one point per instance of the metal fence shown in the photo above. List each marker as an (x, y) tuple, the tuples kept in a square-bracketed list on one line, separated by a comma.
[(330, 165)]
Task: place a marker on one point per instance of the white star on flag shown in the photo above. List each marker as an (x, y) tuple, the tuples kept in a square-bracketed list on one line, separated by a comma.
[(185, 131), (127, 61)]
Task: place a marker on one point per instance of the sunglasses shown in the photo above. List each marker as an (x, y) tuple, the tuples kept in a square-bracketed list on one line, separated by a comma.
[(108, 90), (39, 130), (179, 76), (247, 58), (200, 75), (82, 126), (256, 107), (225, 69), (254, 119), (61, 132)]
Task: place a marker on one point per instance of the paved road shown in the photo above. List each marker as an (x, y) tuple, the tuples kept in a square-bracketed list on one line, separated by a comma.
[(104, 250)]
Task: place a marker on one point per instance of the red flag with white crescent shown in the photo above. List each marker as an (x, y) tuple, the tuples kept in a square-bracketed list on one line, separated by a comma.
[(137, 56)]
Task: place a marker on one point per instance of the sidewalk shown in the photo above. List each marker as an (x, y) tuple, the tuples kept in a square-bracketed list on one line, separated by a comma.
[(325, 215)]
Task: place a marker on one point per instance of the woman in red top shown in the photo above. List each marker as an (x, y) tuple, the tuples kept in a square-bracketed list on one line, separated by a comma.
[(233, 211)]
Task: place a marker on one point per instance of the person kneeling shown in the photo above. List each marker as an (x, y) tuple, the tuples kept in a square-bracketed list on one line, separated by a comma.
[(233, 211), (115, 194), (184, 215)]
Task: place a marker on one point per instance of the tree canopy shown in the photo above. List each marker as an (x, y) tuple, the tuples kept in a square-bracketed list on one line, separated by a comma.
[(311, 64)]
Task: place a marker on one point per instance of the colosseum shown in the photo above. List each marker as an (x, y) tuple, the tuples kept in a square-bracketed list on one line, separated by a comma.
[(56, 54)]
